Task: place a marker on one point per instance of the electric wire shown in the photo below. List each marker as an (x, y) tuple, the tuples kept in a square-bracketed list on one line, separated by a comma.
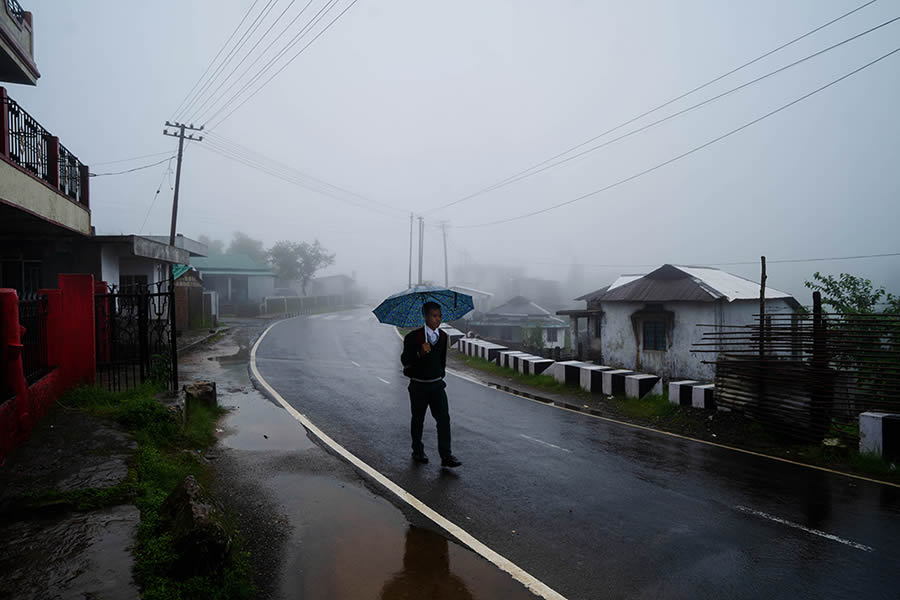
[(684, 154), (131, 170), (231, 53), (283, 67), (670, 116), (212, 62), (503, 182)]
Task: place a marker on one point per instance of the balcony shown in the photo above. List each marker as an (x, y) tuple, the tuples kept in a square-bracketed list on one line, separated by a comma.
[(16, 45), (43, 186)]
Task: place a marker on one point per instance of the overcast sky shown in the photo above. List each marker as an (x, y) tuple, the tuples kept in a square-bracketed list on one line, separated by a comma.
[(416, 104)]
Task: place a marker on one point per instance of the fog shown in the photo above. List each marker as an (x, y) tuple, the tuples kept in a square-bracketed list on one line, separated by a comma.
[(413, 105)]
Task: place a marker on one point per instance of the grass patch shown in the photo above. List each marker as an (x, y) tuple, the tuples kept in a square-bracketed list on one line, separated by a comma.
[(165, 456), (873, 464), (647, 408), (543, 382)]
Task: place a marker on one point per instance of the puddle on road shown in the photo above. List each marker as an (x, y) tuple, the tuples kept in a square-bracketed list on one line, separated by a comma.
[(351, 544)]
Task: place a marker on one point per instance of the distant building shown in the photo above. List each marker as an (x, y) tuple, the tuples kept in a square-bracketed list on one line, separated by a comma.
[(237, 279), (649, 323), (331, 285), (133, 262), (518, 319)]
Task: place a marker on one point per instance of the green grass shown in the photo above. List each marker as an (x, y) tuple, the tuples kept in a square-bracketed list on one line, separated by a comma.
[(543, 382), (159, 465), (646, 408), (874, 464)]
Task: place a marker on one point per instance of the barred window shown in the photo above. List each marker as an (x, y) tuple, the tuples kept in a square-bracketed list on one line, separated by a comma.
[(654, 335)]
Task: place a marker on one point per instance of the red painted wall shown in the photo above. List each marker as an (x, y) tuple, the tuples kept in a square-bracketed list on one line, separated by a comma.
[(70, 348)]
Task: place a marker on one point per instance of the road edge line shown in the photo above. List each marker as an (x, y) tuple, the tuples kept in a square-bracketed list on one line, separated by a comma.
[(531, 583)]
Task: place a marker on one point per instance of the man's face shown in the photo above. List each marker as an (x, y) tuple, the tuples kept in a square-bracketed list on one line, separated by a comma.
[(433, 318)]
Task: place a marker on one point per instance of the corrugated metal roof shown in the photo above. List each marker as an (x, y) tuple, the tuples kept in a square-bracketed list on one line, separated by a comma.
[(520, 306), (671, 283)]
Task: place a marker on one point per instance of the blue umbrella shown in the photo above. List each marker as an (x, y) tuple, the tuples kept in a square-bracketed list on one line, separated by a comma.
[(404, 309)]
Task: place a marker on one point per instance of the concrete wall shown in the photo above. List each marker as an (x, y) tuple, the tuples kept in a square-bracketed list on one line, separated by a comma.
[(622, 346), (19, 189), (109, 264)]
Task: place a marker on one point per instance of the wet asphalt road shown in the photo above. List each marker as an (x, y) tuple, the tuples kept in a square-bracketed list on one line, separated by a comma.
[(594, 509)]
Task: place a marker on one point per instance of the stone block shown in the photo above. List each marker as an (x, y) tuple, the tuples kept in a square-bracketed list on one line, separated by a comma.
[(640, 385), (614, 381), (703, 396), (680, 392), (590, 377)]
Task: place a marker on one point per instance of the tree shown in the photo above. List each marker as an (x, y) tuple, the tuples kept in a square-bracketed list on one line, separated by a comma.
[(298, 261), (851, 294), (213, 247), (241, 243)]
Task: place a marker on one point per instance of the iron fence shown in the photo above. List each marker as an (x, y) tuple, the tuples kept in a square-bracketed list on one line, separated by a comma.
[(135, 337), (69, 174), (33, 317), (15, 9), (28, 141), (808, 375)]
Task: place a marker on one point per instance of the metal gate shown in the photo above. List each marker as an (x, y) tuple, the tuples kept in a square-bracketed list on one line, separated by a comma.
[(136, 336)]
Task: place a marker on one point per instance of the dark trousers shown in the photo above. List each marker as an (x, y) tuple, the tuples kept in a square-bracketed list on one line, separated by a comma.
[(421, 397)]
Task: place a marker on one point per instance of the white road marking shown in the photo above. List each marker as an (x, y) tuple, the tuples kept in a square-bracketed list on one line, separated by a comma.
[(383, 380), (348, 318), (534, 585), (528, 437), (823, 534), (355, 364), (329, 317), (317, 316)]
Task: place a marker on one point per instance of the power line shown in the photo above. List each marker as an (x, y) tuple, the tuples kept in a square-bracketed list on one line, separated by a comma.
[(262, 159), (283, 67), (231, 53), (212, 62), (518, 175), (689, 152), (298, 37), (717, 264), (121, 160), (131, 170), (683, 111), (284, 174), (261, 55), (156, 195), (212, 96)]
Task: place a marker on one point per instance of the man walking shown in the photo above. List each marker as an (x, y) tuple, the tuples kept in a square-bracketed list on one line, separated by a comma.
[(424, 361)]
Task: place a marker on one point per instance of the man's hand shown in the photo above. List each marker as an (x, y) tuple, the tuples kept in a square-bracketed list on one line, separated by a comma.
[(426, 348)]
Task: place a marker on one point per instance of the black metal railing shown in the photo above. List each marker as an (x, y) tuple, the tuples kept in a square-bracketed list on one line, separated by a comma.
[(15, 10), (33, 317), (28, 141), (37, 151), (69, 174)]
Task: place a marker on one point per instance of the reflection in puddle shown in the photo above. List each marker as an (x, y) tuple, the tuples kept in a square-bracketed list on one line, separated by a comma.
[(426, 570), (349, 544)]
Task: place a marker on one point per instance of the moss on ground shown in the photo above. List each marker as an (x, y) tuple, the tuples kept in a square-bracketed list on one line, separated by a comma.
[(168, 451)]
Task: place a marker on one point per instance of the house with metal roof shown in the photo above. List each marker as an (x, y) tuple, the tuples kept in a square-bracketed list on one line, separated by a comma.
[(237, 278), (650, 323), (512, 321)]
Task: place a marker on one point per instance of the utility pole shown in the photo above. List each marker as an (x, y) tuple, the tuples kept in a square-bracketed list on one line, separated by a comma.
[(421, 245), (181, 137), (410, 247), (446, 272), (181, 127)]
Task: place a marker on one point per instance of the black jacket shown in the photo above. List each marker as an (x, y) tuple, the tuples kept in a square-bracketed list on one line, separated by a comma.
[(419, 365)]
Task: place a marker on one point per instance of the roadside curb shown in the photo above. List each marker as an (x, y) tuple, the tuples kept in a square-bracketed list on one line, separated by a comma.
[(202, 340)]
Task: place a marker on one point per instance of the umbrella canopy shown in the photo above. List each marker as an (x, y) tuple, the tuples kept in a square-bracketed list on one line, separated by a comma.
[(404, 309)]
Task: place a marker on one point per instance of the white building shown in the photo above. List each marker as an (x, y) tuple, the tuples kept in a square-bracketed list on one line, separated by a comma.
[(650, 323)]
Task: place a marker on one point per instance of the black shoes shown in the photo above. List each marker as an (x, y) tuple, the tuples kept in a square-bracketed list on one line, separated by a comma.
[(420, 458), (450, 461)]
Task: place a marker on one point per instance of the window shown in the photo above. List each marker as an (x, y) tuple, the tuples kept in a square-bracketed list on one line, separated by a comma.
[(597, 328), (551, 335), (655, 335)]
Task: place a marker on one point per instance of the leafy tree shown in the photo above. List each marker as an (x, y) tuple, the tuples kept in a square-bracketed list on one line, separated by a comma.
[(298, 260), (851, 294), (214, 247), (241, 243)]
